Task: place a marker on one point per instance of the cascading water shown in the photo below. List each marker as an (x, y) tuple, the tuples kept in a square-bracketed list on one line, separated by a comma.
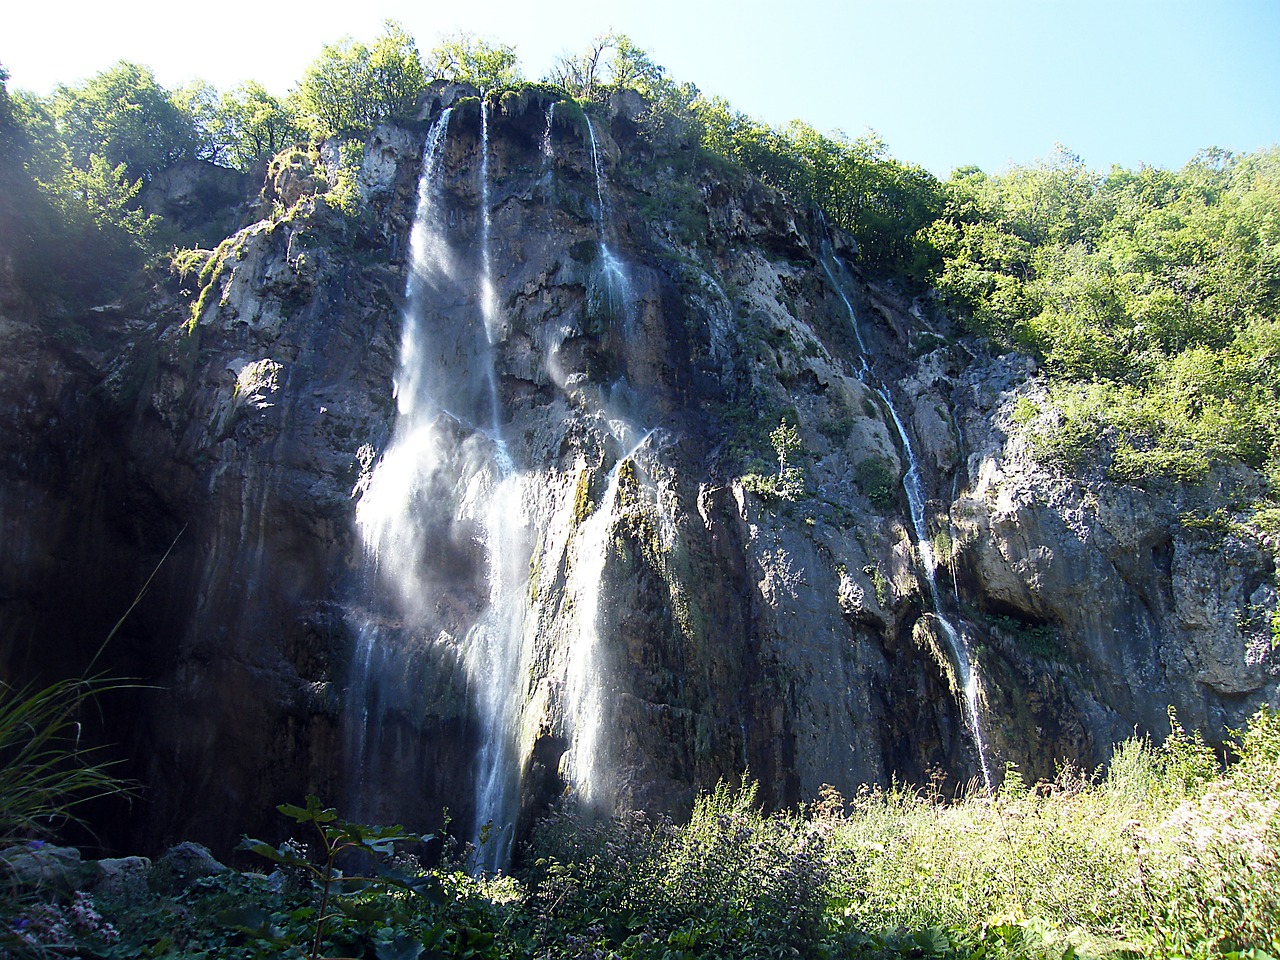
[(914, 490), (955, 639), (547, 151), (496, 648), (584, 675), (617, 280), (447, 469), (384, 513)]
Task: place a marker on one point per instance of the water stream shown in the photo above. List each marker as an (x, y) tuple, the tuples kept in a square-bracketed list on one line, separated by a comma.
[(621, 296), (914, 489), (447, 476), (585, 674)]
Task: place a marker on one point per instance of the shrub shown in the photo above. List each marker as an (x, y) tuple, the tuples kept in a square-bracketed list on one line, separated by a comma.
[(875, 478)]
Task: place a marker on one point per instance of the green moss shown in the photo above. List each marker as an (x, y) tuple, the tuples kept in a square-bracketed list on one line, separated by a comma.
[(583, 505), (1024, 411), (210, 277), (879, 583), (1039, 640)]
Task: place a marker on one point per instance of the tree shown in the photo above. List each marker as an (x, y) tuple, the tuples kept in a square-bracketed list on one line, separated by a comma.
[(253, 125), (124, 116), (332, 93), (463, 58), (611, 62), (6, 105), (396, 75), (351, 88)]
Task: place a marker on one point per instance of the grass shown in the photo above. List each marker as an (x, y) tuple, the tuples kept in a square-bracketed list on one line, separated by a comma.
[(1165, 855)]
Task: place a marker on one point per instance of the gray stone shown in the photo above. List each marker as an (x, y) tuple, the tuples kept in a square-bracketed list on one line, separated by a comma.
[(44, 865), (187, 862), (122, 878)]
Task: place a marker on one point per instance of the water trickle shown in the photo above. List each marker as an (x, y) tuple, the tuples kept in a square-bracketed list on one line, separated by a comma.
[(617, 282), (547, 152), (914, 489), (924, 546)]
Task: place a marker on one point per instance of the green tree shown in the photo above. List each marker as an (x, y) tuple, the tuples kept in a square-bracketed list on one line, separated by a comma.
[(463, 58), (396, 74), (333, 94), (124, 116), (351, 88), (252, 125), (6, 105)]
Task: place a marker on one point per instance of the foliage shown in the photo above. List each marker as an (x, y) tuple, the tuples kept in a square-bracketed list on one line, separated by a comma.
[(1152, 298), (612, 62), (879, 201), (124, 116), (46, 772), (732, 882), (351, 88), (463, 58), (249, 125), (788, 482), (877, 480), (345, 895), (1167, 855), (6, 105), (73, 166)]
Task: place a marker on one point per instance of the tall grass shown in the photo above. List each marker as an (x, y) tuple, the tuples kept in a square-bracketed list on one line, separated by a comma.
[(1164, 855), (46, 772)]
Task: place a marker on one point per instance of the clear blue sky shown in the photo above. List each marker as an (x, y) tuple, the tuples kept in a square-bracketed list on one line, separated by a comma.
[(943, 82)]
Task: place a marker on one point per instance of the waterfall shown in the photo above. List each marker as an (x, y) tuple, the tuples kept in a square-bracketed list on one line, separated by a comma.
[(584, 675), (547, 152), (955, 639), (616, 279), (914, 490), (384, 511), (446, 488)]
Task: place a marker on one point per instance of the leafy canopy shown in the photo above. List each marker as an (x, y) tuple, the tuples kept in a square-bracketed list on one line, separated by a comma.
[(351, 88), (463, 58)]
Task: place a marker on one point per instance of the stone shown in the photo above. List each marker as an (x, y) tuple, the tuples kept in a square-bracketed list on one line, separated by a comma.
[(187, 862), (122, 878), (42, 865)]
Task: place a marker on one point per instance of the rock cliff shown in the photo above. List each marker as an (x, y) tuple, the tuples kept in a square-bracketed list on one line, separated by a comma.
[(613, 329)]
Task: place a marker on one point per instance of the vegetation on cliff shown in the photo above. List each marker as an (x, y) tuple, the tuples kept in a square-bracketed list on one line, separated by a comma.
[(1166, 855), (1151, 297)]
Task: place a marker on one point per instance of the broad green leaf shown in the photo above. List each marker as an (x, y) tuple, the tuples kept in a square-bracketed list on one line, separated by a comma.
[(403, 947)]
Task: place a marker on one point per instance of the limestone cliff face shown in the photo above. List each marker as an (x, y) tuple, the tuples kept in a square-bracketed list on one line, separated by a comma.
[(729, 630)]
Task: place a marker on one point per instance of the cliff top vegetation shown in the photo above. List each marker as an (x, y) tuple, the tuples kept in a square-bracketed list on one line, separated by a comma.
[(1149, 297)]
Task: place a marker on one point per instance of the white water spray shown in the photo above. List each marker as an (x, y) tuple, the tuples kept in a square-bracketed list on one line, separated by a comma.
[(547, 152), (585, 672), (447, 476), (617, 281)]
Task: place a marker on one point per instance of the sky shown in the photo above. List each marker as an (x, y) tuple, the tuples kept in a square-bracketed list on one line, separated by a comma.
[(944, 83)]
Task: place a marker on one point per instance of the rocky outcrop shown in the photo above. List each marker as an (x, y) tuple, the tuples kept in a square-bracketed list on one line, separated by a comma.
[(240, 419)]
